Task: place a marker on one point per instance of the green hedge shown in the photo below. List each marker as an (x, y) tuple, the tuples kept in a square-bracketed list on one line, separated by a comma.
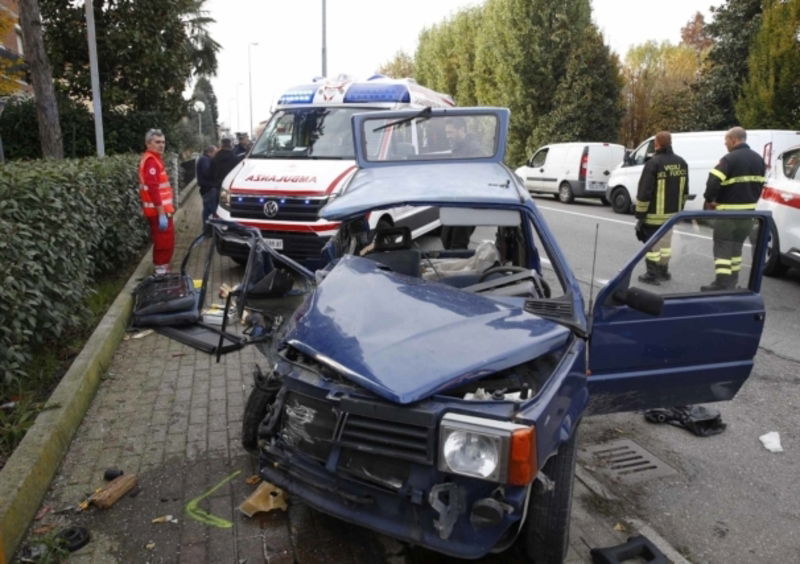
[(63, 224)]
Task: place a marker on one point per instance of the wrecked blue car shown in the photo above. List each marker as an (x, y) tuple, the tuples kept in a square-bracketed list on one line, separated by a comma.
[(431, 388)]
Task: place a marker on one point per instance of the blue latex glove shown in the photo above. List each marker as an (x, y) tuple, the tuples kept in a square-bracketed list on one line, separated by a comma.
[(162, 222)]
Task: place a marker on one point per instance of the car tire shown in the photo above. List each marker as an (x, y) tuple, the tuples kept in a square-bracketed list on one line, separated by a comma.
[(604, 201), (261, 397), (620, 201), (545, 535), (565, 194), (773, 265)]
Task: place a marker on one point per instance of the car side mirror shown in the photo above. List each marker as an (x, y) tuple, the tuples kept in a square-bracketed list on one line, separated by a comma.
[(640, 300)]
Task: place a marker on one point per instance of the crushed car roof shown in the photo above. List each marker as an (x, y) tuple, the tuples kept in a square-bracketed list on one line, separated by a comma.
[(429, 183)]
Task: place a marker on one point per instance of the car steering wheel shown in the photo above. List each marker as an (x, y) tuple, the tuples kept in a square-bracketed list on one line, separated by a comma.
[(542, 287)]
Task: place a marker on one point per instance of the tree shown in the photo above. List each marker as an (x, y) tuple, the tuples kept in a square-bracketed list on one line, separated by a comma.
[(150, 49), (521, 52), (656, 95), (401, 66), (10, 67), (204, 92), (586, 106), (695, 34), (41, 80), (771, 95), (714, 95)]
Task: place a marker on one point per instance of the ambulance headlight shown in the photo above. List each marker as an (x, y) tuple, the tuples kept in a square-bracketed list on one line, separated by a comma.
[(225, 198)]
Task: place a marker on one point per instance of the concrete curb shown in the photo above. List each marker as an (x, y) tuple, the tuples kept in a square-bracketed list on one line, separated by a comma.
[(25, 478)]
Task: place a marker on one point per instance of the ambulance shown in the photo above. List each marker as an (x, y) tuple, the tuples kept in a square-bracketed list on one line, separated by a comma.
[(304, 158)]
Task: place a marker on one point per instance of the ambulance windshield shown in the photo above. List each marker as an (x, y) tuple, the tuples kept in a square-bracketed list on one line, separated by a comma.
[(308, 133)]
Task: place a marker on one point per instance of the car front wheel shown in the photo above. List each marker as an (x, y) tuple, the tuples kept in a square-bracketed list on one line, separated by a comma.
[(545, 534), (620, 201), (261, 397), (773, 266)]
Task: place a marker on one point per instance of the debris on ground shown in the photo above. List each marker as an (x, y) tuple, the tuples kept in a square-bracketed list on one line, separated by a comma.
[(109, 494), (138, 335), (150, 545), (771, 441), (697, 419), (638, 548), (112, 474), (73, 538), (165, 519), (266, 497), (44, 510)]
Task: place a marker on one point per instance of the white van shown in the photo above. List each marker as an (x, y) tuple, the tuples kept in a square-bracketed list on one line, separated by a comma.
[(571, 170), (304, 158), (701, 150)]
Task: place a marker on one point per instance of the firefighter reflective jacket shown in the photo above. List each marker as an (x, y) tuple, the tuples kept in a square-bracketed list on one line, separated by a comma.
[(663, 187), (156, 170), (735, 183)]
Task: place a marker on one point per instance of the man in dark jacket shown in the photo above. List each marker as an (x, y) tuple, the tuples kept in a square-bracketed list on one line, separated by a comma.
[(733, 185), (663, 189), (205, 181), (223, 162)]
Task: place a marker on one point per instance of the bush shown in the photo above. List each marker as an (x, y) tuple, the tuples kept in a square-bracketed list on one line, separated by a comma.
[(64, 223)]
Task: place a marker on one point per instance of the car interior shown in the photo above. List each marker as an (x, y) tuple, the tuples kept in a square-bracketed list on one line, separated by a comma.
[(476, 250)]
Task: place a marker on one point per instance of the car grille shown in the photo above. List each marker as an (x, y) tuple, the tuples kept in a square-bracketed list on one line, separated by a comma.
[(289, 209), (406, 442), (378, 449)]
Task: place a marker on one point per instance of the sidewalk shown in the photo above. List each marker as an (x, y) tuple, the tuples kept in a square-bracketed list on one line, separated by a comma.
[(171, 415)]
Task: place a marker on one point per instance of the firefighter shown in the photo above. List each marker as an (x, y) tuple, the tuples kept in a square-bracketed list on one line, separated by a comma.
[(734, 184), (663, 189), (155, 193)]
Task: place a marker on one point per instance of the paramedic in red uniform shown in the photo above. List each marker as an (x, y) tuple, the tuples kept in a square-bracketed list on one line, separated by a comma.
[(155, 193)]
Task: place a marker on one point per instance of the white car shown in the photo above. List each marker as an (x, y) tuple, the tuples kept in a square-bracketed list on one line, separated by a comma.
[(781, 195)]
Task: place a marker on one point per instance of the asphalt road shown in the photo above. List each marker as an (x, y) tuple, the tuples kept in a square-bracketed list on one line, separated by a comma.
[(727, 499)]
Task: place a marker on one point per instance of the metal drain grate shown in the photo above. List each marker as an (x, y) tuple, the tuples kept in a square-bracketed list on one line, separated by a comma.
[(625, 461)]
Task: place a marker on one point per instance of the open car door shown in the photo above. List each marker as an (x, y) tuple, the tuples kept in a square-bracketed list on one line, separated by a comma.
[(694, 345)]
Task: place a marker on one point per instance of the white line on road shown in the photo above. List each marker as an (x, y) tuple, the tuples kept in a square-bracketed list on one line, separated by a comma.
[(620, 221)]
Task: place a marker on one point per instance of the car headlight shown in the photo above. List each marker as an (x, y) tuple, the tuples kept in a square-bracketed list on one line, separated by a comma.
[(225, 198), (492, 450)]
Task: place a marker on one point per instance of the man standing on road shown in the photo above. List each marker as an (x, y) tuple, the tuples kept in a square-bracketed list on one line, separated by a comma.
[(155, 193), (733, 185), (205, 181), (223, 162), (663, 189)]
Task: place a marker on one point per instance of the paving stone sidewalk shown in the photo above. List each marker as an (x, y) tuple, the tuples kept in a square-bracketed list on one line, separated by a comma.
[(172, 415)]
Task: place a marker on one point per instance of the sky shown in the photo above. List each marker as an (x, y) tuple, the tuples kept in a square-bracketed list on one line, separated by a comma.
[(269, 46)]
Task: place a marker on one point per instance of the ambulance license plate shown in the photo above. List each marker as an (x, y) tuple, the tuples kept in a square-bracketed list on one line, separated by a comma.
[(276, 244)]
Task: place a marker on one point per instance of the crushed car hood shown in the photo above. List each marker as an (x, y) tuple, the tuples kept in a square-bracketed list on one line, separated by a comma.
[(405, 338)]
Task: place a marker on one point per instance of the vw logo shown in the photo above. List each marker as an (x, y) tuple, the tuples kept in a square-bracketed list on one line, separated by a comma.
[(271, 208)]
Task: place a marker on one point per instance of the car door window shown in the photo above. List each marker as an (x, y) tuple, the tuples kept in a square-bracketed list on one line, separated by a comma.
[(643, 152), (694, 254), (791, 160), (539, 158)]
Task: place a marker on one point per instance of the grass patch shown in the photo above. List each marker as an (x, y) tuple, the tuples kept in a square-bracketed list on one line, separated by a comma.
[(21, 402)]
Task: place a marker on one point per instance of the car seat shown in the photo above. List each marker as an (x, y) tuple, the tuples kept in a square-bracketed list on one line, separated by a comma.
[(393, 250)]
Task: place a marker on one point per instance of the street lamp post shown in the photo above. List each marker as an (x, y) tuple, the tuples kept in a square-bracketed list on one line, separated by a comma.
[(324, 54), (250, 85), (199, 107)]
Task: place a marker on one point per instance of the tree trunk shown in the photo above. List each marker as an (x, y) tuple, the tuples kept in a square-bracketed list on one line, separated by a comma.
[(42, 79)]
